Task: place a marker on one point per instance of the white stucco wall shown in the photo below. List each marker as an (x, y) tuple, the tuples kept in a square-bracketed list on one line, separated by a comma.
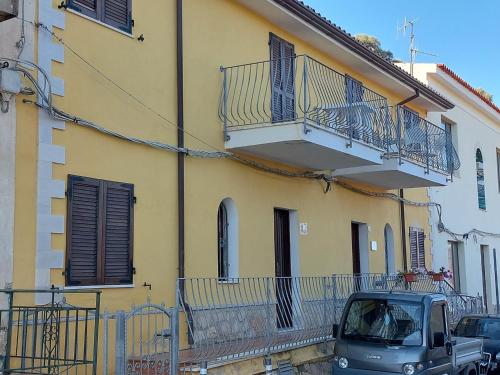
[(475, 126)]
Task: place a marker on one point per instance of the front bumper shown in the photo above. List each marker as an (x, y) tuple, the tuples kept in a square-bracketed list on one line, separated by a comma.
[(353, 371)]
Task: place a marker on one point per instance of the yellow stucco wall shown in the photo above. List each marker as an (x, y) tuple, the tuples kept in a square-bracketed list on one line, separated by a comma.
[(217, 32)]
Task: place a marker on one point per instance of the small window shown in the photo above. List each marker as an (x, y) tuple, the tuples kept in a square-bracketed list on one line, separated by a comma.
[(227, 240), (437, 320), (115, 13), (354, 90), (449, 145), (99, 232), (481, 193), (417, 248)]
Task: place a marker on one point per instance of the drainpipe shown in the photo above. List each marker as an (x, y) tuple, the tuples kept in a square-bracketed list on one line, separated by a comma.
[(401, 193), (180, 143)]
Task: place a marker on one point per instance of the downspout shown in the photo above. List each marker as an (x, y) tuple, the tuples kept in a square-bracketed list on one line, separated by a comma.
[(402, 218), (180, 155)]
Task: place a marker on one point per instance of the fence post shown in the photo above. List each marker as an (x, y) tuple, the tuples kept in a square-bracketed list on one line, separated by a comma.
[(427, 146), (10, 315), (325, 303), (224, 102), (334, 294), (120, 345), (96, 331), (105, 343), (306, 103), (268, 313), (174, 338)]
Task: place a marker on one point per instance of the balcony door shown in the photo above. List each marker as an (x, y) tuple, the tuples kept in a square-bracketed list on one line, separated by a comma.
[(282, 79)]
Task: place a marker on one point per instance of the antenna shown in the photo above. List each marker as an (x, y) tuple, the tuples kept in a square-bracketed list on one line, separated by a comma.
[(413, 50)]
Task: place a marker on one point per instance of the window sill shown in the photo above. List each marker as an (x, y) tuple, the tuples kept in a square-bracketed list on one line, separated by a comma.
[(99, 23), (90, 287)]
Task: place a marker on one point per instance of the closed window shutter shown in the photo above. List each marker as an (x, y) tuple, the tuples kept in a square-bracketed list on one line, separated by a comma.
[(417, 248), (118, 13), (282, 79), (83, 231), (118, 219), (413, 249), (88, 7)]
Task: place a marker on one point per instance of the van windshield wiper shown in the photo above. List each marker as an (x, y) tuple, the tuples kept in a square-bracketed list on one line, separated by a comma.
[(381, 339)]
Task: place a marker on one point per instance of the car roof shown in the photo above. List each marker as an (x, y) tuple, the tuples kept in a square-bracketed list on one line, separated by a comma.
[(408, 295), (482, 316)]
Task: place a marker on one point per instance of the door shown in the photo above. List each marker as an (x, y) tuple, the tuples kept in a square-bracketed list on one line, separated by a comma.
[(283, 269), (389, 249), (282, 79), (438, 353), (454, 264), (356, 258), (485, 271)]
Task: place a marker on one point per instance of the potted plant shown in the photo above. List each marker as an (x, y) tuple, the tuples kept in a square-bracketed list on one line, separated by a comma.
[(441, 275), (410, 276)]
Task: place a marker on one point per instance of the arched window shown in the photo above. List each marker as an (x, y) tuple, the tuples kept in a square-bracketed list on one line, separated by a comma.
[(227, 240), (481, 194)]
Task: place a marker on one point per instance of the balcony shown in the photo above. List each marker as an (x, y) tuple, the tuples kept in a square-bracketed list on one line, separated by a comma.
[(300, 112), (418, 154)]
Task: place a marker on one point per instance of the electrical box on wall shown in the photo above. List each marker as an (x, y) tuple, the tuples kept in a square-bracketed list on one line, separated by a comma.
[(8, 9), (10, 81)]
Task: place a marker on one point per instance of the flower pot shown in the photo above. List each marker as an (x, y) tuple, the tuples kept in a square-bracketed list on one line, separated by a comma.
[(437, 277), (410, 277)]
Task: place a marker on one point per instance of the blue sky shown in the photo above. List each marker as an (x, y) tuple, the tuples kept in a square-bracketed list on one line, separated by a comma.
[(464, 34)]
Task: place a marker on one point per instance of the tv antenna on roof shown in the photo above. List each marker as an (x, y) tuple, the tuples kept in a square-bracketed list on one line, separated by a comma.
[(413, 50)]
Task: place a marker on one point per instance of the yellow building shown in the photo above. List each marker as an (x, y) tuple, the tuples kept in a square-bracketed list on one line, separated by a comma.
[(231, 140)]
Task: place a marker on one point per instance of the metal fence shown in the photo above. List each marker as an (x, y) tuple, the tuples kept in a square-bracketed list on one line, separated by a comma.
[(301, 89), (425, 143), (57, 337), (259, 315)]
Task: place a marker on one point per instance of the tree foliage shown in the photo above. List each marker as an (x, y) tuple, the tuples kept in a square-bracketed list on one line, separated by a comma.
[(374, 44), (485, 94)]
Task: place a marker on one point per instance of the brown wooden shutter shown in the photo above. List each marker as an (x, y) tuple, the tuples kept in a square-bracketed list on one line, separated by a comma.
[(417, 248), (118, 222), (88, 7), (118, 13), (413, 248), (83, 231)]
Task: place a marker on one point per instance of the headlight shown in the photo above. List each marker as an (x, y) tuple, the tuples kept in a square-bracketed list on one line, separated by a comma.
[(343, 362), (408, 369), (497, 357)]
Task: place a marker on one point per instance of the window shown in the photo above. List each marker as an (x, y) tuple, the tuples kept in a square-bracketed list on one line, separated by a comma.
[(115, 13), (354, 90), (417, 249), (99, 232), (437, 322), (481, 193), (227, 240)]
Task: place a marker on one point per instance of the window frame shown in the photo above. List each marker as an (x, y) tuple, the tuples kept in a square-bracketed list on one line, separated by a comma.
[(103, 186), (420, 240), (480, 180), (99, 15), (222, 248)]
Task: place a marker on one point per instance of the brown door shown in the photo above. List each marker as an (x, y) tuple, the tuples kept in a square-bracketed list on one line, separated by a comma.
[(356, 264), (283, 268), (356, 261), (483, 271)]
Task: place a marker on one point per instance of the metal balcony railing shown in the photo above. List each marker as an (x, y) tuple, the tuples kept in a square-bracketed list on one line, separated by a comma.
[(423, 142), (298, 89), (301, 89)]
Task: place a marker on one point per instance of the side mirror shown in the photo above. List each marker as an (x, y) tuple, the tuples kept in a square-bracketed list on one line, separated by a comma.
[(452, 332), (335, 330), (438, 340), (449, 348)]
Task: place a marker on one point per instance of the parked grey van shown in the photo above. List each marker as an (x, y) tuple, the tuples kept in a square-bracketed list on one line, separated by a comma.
[(385, 332)]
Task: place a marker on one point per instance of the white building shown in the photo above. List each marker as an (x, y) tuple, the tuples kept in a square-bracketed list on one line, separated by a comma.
[(471, 204)]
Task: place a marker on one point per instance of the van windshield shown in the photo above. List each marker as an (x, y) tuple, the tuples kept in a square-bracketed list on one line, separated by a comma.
[(388, 322)]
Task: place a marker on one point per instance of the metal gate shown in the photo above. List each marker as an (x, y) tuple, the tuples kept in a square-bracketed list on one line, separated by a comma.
[(49, 332), (146, 340)]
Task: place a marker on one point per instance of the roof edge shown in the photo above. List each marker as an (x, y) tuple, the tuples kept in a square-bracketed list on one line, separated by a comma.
[(316, 20)]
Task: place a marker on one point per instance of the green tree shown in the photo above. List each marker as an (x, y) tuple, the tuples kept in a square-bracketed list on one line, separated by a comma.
[(485, 94), (374, 44)]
